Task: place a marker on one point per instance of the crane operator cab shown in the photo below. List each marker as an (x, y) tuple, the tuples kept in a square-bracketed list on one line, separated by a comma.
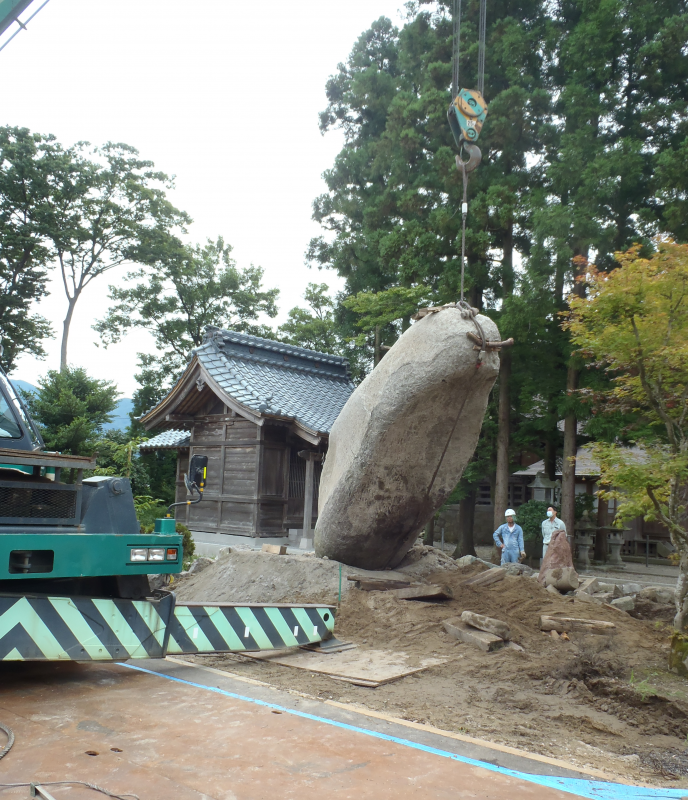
[(17, 429)]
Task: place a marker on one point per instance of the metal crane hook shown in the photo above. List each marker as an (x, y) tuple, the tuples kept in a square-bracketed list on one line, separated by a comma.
[(474, 157)]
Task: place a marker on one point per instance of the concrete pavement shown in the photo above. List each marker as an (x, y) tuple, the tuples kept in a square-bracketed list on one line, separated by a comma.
[(163, 729)]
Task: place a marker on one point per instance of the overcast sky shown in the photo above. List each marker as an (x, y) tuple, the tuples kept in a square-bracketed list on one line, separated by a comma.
[(223, 94)]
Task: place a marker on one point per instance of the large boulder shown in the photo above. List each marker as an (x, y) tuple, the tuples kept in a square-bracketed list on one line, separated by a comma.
[(403, 439), (558, 555)]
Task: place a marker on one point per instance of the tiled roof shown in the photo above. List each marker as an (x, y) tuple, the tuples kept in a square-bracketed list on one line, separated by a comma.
[(167, 440), (277, 379), (585, 466)]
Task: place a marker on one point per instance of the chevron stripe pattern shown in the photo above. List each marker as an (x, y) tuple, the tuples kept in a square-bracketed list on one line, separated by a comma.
[(98, 629), (225, 628)]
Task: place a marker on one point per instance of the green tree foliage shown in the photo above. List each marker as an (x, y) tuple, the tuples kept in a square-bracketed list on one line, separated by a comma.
[(71, 409), (634, 324), (26, 163), (182, 290), (313, 327), (105, 201), (324, 326)]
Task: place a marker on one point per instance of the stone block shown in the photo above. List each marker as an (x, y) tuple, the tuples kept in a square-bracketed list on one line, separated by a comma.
[(466, 561), (589, 586), (563, 578), (658, 594), (558, 555), (397, 449), (584, 597), (487, 642), (604, 597), (553, 590), (275, 549), (631, 588), (623, 603), (488, 624)]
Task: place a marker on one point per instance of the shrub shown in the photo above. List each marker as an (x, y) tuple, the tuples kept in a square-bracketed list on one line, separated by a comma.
[(530, 516)]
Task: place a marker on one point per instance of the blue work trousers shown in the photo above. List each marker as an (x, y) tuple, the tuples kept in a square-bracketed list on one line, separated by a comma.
[(510, 556)]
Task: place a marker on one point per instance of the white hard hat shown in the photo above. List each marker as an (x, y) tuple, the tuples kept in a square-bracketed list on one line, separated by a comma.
[(510, 512)]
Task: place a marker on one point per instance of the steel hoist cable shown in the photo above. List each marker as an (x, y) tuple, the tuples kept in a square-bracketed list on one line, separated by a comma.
[(9, 733), (467, 113)]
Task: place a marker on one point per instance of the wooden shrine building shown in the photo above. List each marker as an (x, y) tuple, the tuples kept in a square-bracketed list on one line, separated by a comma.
[(262, 412)]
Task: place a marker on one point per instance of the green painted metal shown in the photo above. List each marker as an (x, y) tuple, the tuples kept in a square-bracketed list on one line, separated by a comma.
[(466, 115), (10, 10), (106, 629), (165, 525), (89, 554)]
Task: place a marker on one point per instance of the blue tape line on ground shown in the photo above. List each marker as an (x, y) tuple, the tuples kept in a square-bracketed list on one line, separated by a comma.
[(594, 790)]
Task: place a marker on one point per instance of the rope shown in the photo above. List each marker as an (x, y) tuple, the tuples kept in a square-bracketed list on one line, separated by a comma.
[(481, 46), (457, 47), (464, 214), (10, 740)]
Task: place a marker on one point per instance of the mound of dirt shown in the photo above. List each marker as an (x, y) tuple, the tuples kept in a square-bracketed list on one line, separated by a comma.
[(251, 576), (592, 700)]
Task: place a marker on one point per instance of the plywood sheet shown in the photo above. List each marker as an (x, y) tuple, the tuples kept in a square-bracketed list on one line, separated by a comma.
[(363, 667)]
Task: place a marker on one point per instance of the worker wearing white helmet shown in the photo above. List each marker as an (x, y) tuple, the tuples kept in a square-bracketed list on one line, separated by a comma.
[(511, 541)]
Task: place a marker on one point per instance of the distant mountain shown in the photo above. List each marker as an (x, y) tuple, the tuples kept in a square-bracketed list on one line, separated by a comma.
[(120, 416)]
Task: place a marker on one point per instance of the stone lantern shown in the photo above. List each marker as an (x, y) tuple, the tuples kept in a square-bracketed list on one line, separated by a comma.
[(544, 489), (585, 529), (615, 537)]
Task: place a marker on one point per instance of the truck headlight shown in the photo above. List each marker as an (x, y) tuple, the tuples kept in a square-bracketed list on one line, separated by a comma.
[(172, 554), (138, 554), (156, 554)]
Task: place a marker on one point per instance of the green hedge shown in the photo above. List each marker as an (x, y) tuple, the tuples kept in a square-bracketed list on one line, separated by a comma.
[(530, 517)]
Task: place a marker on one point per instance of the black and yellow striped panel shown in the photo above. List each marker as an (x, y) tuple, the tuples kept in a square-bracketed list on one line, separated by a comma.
[(225, 628), (100, 629)]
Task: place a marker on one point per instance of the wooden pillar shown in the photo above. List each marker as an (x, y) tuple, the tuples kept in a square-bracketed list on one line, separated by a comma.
[(307, 536)]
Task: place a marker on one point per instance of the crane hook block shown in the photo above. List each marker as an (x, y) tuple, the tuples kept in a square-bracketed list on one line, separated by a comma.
[(466, 115)]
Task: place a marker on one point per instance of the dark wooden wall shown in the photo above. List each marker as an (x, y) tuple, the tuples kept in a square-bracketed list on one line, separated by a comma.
[(253, 486)]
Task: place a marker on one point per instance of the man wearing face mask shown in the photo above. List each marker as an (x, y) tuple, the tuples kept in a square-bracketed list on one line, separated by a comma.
[(551, 524)]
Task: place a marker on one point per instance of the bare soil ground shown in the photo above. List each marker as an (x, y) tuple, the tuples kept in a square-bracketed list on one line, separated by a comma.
[(596, 701)]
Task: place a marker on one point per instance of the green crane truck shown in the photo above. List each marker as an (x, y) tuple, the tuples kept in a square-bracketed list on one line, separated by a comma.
[(74, 567)]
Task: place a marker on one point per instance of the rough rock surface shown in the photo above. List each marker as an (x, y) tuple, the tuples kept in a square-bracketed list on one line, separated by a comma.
[(393, 459), (558, 555), (658, 594), (565, 579), (494, 626), (624, 603)]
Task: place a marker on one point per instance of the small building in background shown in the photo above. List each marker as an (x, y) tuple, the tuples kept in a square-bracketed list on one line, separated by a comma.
[(261, 411)]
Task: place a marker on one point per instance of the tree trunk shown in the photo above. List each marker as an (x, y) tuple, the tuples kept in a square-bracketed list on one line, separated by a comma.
[(568, 470), (430, 532), (65, 331), (376, 350), (501, 493), (465, 545), (601, 536), (681, 618), (550, 459)]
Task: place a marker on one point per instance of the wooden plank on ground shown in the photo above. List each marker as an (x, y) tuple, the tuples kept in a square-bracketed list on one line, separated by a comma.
[(363, 667), (487, 642), (487, 578), (366, 584), (567, 624), (275, 549), (423, 592)]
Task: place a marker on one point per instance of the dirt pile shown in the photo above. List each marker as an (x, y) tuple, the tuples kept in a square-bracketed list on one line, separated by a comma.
[(251, 576), (606, 702)]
